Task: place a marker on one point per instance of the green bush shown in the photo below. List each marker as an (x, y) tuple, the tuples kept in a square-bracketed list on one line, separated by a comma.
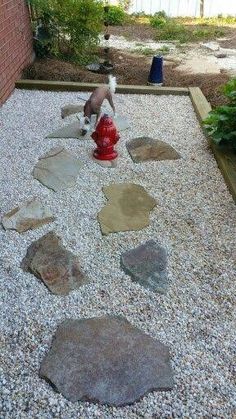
[(116, 16), (221, 122), (78, 24), (159, 19)]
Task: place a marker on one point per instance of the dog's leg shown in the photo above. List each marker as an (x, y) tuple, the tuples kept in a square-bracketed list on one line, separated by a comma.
[(110, 100)]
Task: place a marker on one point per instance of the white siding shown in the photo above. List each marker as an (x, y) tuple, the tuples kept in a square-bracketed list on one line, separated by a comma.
[(183, 7)]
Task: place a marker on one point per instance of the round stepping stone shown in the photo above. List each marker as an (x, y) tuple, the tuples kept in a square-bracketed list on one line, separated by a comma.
[(28, 216), (128, 208), (49, 260), (145, 148), (146, 264), (106, 360), (58, 169)]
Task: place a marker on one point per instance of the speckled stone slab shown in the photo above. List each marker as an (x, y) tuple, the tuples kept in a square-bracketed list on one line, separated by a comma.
[(30, 215), (121, 123), (49, 260), (106, 360), (128, 208), (57, 169), (70, 131), (145, 148), (146, 264), (71, 109)]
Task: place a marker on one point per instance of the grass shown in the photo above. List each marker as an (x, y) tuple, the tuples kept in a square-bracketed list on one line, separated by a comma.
[(150, 51), (186, 29)]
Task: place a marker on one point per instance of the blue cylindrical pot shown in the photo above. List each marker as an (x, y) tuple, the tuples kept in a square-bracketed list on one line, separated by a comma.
[(156, 72)]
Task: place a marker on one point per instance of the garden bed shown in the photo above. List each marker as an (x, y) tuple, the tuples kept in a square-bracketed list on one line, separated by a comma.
[(193, 220)]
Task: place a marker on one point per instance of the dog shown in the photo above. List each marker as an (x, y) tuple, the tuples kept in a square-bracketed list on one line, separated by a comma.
[(94, 103)]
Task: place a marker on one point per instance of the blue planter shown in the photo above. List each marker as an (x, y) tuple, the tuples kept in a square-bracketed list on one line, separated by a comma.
[(156, 72)]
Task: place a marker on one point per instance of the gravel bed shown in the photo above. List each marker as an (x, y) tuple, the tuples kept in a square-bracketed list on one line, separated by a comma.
[(194, 219)]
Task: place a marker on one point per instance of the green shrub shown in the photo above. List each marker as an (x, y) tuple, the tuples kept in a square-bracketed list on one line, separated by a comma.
[(159, 19), (116, 16), (221, 122), (78, 24)]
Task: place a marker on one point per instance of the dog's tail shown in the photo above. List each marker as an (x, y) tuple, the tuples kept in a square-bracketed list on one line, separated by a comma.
[(112, 83)]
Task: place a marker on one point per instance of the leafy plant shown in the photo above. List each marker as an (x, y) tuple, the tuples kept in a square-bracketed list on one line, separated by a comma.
[(78, 24), (221, 122), (159, 19), (116, 15)]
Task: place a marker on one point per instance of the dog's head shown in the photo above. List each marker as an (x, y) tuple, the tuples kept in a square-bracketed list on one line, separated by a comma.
[(85, 124)]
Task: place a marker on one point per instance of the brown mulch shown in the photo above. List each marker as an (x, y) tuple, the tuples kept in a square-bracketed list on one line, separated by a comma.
[(229, 43), (129, 69), (137, 32)]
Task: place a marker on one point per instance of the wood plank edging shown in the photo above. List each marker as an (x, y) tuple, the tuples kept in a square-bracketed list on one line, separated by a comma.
[(226, 162), (74, 87)]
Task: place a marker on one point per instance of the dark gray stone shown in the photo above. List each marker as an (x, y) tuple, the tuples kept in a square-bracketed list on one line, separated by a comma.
[(106, 360), (49, 260), (146, 264)]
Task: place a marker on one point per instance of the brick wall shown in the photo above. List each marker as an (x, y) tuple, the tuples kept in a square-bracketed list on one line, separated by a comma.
[(15, 43)]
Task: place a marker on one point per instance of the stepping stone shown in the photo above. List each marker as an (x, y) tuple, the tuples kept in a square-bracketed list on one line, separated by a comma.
[(128, 208), (70, 131), (28, 216), (106, 163), (71, 110), (49, 260), (145, 148), (57, 169), (146, 264), (121, 123), (106, 360)]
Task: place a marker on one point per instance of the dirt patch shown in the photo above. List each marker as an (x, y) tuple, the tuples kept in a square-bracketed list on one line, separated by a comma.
[(129, 69), (229, 43)]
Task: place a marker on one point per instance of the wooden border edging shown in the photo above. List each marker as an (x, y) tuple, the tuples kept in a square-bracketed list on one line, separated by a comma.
[(226, 162), (71, 86)]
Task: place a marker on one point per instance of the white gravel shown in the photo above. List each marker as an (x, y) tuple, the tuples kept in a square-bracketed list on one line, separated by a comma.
[(194, 219)]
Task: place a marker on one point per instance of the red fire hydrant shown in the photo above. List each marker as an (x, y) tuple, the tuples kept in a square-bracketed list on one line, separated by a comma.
[(105, 136)]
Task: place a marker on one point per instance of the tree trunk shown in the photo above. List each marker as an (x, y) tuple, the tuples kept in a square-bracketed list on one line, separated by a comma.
[(201, 8)]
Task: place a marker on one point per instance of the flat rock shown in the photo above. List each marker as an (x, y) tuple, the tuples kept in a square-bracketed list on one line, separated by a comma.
[(127, 209), (49, 260), (146, 264), (220, 55), (146, 149), (106, 360), (57, 169), (106, 163), (121, 123), (30, 215), (71, 109), (70, 131), (212, 46)]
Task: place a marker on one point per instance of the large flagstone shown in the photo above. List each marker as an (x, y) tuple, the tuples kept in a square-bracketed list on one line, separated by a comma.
[(145, 149), (128, 208), (106, 360), (57, 169)]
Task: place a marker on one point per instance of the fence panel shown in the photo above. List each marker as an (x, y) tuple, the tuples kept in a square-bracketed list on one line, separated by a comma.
[(184, 7)]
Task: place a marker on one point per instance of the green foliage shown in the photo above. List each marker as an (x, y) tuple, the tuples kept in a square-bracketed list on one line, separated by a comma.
[(172, 30), (141, 49), (159, 19), (77, 22), (116, 16), (221, 122)]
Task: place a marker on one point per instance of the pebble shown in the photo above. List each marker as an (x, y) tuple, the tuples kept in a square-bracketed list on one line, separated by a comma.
[(193, 220)]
